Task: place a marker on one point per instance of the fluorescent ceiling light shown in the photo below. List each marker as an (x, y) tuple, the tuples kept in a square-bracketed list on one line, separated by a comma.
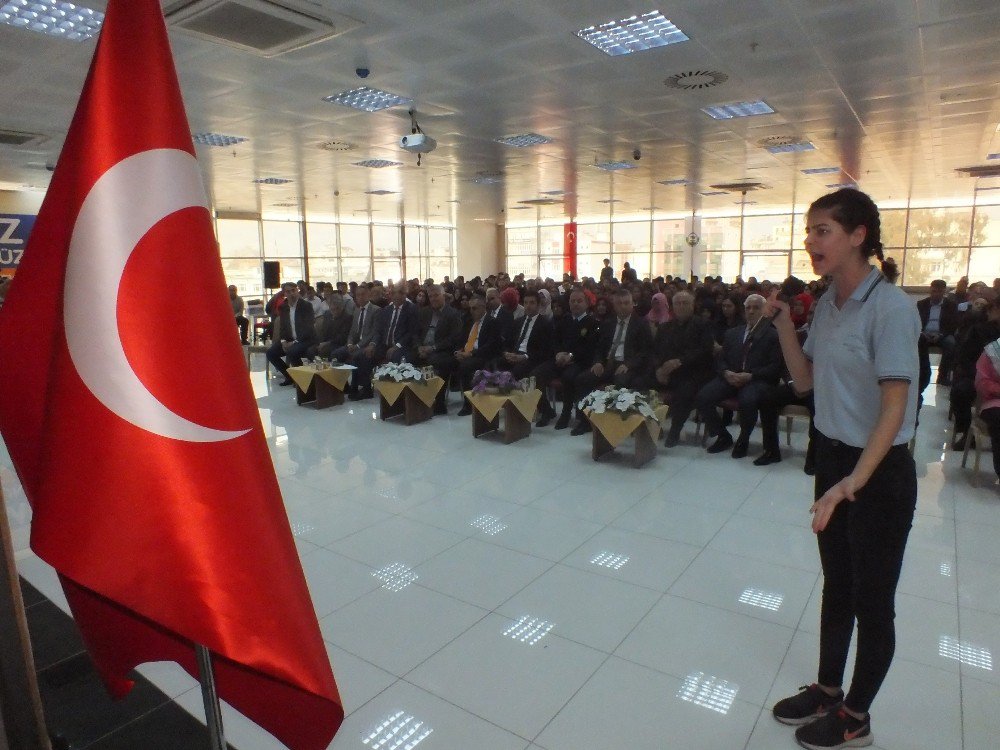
[(272, 181), (610, 200), (737, 109), (367, 99), (993, 156), (553, 192), (633, 34), (614, 166), (838, 185), (678, 181), (787, 148), (715, 192), (377, 163), (59, 19), (217, 139), (380, 192), (523, 140), (821, 170)]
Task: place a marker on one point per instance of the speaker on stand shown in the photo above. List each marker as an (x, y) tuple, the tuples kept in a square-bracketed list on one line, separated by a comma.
[(272, 274)]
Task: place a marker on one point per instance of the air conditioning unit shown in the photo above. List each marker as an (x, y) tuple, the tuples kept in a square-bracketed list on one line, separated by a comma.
[(263, 27)]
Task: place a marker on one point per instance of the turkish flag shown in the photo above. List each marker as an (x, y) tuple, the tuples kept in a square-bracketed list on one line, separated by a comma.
[(138, 440)]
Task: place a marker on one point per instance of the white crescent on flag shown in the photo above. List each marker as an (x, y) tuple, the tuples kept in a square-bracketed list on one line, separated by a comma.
[(117, 213)]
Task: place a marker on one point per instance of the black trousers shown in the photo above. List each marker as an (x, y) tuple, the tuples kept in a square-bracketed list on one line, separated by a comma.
[(587, 381), (444, 363), (548, 371), (683, 392), (861, 550), (963, 396), (295, 353), (717, 390), (771, 405), (244, 326)]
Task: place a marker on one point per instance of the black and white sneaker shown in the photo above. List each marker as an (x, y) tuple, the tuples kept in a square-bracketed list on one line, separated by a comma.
[(838, 729), (809, 705)]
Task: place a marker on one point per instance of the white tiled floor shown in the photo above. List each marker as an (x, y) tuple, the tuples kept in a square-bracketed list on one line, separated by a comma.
[(647, 586)]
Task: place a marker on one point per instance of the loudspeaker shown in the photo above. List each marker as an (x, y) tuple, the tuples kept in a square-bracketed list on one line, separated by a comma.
[(272, 274)]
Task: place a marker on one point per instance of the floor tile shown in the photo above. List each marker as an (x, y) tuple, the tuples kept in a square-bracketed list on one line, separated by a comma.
[(515, 685), (633, 557), (544, 534), (456, 511), (673, 521), (396, 539), (770, 541)]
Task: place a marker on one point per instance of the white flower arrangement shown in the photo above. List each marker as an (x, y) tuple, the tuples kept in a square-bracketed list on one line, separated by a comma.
[(401, 373), (621, 400)]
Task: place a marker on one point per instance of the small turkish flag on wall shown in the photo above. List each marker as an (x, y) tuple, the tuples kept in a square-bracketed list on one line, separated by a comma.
[(138, 442)]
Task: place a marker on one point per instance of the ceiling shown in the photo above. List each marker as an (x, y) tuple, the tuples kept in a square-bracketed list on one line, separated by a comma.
[(897, 93)]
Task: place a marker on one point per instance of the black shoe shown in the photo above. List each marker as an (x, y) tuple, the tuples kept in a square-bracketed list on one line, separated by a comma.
[(582, 427), (741, 448), (838, 729), (672, 439), (563, 422), (361, 394), (809, 705), (465, 411), (723, 442), (767, 457), (440, 409), (286, 381), (810, 467), (958, 444), (544, 420)]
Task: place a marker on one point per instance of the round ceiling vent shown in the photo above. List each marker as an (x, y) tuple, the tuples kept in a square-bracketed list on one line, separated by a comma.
[(337, 146), (778, 140), (696, 79)]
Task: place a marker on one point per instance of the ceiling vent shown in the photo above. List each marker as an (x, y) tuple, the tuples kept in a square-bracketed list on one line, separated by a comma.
[(263, 27), (692, 80), (18, 138), (987, 170), (739, 187), (337, 146)]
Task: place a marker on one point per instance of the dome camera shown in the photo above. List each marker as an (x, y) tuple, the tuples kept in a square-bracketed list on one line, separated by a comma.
[(637, 154), (362, 72)]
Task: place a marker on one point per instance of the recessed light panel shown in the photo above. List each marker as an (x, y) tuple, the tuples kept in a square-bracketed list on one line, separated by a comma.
[(610, 200), (58, 19), (633, 34), (523, 140), (367, 99), (838, 185), (678, 181), (377, 163), (788, 148), (272, 181), (993, 156), (217, 139), (614, 166), (821, 170), (714, 192), (738, 109), (380, 192)]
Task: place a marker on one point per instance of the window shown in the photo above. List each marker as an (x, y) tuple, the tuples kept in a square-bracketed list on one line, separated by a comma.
[(238, 238), (773, 266), (767, 233), (282, 239), (924, 264), (724, 264), (416, 252), (355, 241), (246, 273), (441, 253), (670, 236), (631, 245), (669, 264), (387, 252), (719, 234)]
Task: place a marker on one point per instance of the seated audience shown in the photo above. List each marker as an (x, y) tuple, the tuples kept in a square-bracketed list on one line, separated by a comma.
[(439, 335), (939, 319), (750, 367), (575, 345), (482, 346), (295, 332), (360, 347), (396, 327), (984, 327), (988, 388), (683, 358), (239, 308), (623, 354), (336, 329), (531, 344)]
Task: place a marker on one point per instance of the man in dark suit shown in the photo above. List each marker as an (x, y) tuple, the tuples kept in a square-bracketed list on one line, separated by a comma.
[(607, 273), (396, 327), (499, 313), (360, 348), (938, 322), (482, 346), (623, 354), (683, 352), (338, 327), (531, 343), (576, 339), (295, 332), (750, 368), (439, 335)]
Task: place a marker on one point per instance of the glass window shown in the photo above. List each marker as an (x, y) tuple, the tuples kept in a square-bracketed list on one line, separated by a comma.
[(238, 238), (802, 267), (282, 239), (441, 253), (416, 252), (439, 267), (720, 234), (594, 239), (324, 269), (923, 265), (322, 241), (670, 236), (772, 266), (354, 268), (893, 227), (724, 264), (669, 264), (385, 241), (939, 227), (522, 241), (552, 242), (526, 264), (551, 267), (987, 227), (355, 242), (388, 269), (767, 232), (984, 264), (590, 265), (631, 245), (246, 273)]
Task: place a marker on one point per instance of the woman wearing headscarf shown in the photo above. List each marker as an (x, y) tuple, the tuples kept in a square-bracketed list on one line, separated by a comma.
[(988, 390), (659, 312), (545, 303), (511, 301)]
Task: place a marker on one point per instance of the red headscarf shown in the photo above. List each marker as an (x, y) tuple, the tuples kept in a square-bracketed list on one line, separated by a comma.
[(509, 298), (660, 311), (807, 302)]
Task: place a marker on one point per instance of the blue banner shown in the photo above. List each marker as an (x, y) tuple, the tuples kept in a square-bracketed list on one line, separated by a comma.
[(14, 231)]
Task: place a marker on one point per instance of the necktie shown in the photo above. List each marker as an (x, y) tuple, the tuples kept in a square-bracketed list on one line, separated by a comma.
[(473, 335), (361, 323), (524, 330), (392, 327), (747, 343), (619, 335)]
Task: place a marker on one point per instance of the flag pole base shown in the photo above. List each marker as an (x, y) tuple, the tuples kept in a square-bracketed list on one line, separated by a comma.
[(210, 696)]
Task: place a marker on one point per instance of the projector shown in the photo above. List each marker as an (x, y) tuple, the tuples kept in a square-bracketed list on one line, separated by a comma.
[(417, 143)]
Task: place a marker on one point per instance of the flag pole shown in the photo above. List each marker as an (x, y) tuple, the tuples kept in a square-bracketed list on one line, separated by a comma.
[(22, 724), (210, 696)]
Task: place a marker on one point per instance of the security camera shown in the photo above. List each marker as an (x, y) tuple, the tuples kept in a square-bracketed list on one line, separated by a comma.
[(637, 154), (362, 72)]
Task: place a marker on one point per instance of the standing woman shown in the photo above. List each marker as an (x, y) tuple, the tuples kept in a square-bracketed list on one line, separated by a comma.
[(860, 360)]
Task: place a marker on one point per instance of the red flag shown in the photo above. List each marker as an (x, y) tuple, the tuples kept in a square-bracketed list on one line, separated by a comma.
[(137, 440)]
